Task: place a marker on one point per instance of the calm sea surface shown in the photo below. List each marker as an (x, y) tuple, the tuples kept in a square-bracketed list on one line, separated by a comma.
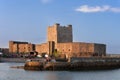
[(7, 73)]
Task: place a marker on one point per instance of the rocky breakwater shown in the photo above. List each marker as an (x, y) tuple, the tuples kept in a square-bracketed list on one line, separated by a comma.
[(33, 65), (76, 65)]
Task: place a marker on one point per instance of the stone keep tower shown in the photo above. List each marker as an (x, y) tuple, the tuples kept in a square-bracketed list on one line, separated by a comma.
[(60, 34)]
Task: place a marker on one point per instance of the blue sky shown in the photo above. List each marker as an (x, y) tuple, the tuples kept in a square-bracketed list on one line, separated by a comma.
[(96, 21)]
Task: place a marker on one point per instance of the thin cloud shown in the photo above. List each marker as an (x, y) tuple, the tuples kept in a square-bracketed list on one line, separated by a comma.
[(89, 9), (45, 1), (115, 10)]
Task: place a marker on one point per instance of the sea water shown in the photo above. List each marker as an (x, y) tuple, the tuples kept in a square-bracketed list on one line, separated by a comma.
[(7, 73)]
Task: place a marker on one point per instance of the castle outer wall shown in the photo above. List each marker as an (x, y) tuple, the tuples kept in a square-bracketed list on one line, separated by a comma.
[(42, 48), (80, 49), (20, 47)]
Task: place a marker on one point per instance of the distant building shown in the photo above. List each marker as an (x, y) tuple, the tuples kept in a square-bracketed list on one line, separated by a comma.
[(113, 55), (60, 39), (4, 50)]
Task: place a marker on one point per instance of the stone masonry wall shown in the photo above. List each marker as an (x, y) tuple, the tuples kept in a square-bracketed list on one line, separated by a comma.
[(64, 34), (20, 47), (52, 33), (42, 48), (59, 34), (79, 49), (100, 49)]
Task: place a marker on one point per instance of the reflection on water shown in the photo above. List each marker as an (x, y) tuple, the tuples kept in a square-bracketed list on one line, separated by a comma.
[(58, 76), (7, 73)]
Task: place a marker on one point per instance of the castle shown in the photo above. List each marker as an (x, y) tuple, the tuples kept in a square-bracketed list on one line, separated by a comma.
[(60, 39)]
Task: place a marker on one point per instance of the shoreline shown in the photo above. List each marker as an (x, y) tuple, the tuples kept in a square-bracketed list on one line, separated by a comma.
[(16, 60), (19, 60)]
